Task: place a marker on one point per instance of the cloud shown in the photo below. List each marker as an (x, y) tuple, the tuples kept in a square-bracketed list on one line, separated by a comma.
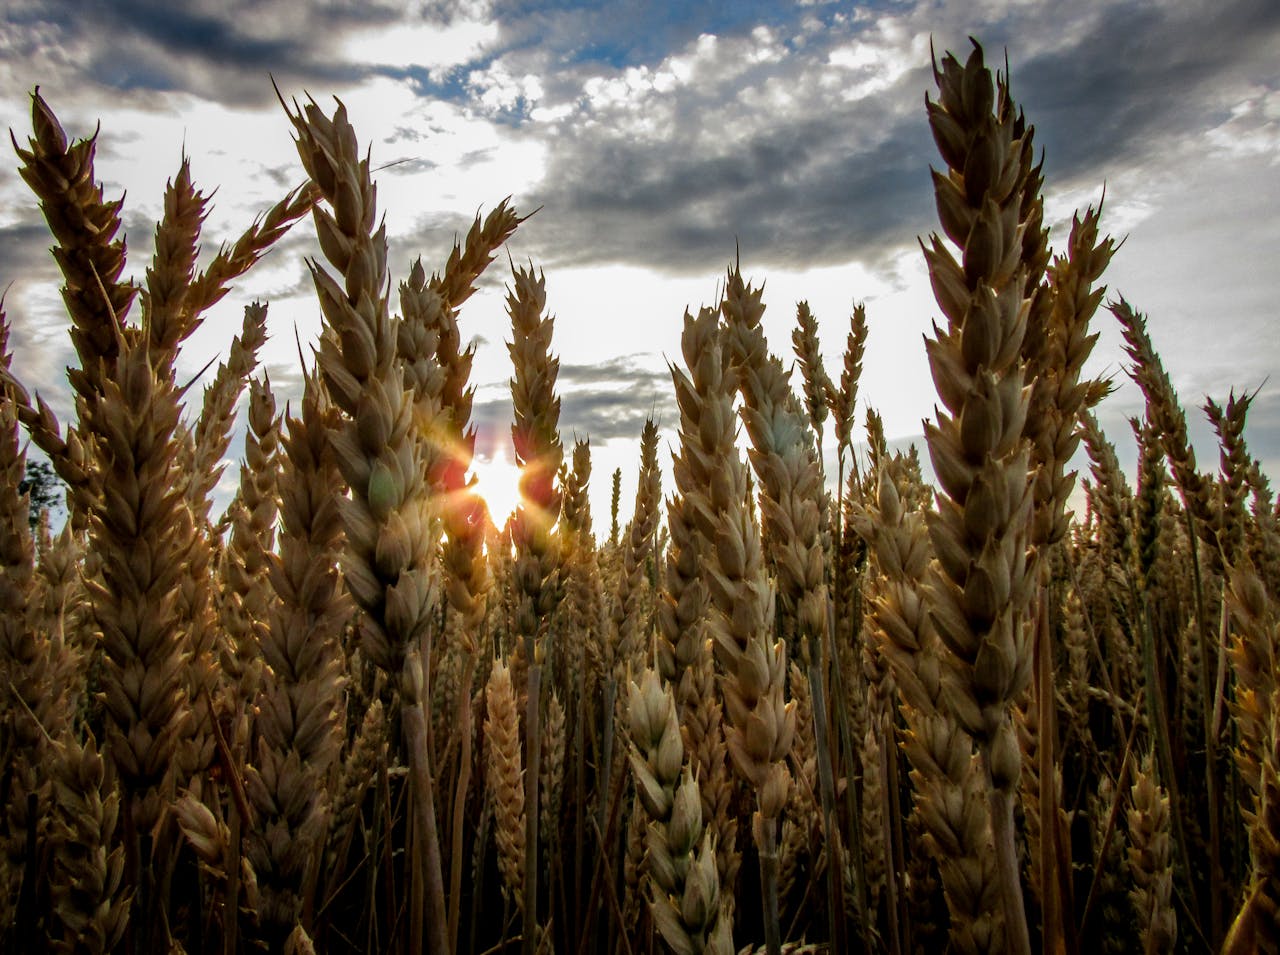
[(609, 401), (1141, 77), (805, 139), (224, 50), (24, 251)]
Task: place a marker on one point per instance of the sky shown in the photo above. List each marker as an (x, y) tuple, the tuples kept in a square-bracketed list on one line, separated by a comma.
[(657, 140)]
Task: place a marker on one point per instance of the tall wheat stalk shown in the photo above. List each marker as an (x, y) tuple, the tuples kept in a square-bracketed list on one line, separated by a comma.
[(391, 528), (981, 588)]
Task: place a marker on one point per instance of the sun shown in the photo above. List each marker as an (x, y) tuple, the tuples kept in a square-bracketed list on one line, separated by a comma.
[(498, 483)]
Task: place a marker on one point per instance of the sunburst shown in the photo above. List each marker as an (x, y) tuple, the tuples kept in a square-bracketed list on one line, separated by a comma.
[(498, 483)]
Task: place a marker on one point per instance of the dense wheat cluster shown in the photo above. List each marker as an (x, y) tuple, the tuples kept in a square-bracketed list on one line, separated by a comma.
[(779, 710)]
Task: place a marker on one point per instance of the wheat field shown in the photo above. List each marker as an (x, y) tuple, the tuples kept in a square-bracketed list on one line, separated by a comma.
[(779, 710)]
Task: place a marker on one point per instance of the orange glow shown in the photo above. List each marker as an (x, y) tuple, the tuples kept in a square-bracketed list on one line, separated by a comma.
[(498, 482)]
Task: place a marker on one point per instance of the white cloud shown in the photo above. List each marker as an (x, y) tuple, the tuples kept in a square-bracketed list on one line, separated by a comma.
[(435, 46)]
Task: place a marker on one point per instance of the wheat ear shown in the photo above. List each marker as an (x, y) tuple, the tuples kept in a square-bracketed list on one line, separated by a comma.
[(948, 787), (752, 666), (300, 706), (392, 532), (245, 594), (90, 903), (685, 656), (792, 506), (212, 434), (25, 677), (1151, 862), (1164, 411), (980, 590), (680, 859), (539, 453), (504, 781), (818, 386), (91, 258), (637, 548)]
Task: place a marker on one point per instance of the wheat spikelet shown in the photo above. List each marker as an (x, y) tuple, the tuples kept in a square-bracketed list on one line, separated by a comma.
[(91, 258), (948, 787), (208, 836), (504, 784), (818, 386), (1150, 862), (299, 708), (1167, 415), (245, 593), (299, 942), (88, 900), (212, 433), (629, 619)]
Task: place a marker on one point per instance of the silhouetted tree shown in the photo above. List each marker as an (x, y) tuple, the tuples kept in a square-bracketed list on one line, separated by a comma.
[(46, 490)]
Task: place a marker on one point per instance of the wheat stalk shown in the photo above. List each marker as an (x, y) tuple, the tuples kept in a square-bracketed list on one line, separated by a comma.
[(391, 530), (753, 667), (503, 778), (300, 706)]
